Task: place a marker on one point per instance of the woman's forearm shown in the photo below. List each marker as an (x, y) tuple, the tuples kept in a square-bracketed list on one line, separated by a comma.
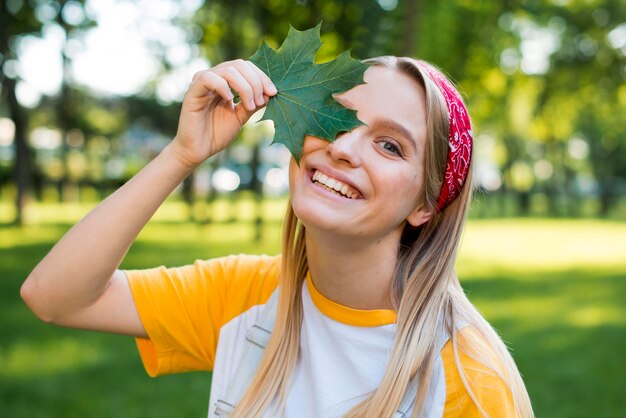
[(76, 284), (75, 273)]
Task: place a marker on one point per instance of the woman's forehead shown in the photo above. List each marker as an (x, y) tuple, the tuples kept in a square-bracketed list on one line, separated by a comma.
[(388, 93), (385, 84)]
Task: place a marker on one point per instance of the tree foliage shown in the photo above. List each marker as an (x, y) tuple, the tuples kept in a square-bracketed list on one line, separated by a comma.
[(544, 81)]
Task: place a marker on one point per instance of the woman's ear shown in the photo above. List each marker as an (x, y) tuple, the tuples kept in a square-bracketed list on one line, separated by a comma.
[(419, 216)]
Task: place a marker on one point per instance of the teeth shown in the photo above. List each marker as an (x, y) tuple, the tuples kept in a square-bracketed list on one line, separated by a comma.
[(334, 185)]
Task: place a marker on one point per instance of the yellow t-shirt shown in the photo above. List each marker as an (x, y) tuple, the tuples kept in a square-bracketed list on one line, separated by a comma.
[(197, 316)]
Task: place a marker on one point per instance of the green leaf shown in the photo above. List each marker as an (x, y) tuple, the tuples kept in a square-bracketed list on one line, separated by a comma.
[(304, 104)]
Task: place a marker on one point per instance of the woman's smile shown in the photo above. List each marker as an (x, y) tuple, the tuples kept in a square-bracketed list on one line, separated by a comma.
[(334, 185)]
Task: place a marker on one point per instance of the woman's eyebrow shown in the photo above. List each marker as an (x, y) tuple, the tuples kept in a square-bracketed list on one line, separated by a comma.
[(394, 126)]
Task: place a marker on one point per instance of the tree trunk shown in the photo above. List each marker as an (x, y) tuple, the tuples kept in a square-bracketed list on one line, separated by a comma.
[(22, 167), (523, 200), (411, 28), (606, 201), (188, 195), (64, 116), (257, 188), (551, 196)]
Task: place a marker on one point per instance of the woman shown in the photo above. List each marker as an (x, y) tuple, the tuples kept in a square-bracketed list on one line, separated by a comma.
[(371, 319)]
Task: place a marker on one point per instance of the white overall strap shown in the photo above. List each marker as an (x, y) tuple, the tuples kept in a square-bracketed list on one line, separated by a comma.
[(257, 338), (411, 391), (408, 399)]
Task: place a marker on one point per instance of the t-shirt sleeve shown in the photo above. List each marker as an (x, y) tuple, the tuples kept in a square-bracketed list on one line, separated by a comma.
[(491, 392), (184, 308)]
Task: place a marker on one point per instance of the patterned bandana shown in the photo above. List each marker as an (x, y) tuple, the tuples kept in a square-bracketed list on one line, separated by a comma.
[(460, 138)]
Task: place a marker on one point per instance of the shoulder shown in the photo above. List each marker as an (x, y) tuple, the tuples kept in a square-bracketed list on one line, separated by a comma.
[(474, 365), (236, 263), (225, 286), (247, 272), (243, 266), (217, 273), (249, 281)]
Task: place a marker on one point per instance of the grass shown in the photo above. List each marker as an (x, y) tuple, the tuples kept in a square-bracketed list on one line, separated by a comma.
[(554, 289)]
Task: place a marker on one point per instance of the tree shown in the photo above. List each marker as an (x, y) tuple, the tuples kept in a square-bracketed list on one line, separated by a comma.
[(16, 20), (71, 18)]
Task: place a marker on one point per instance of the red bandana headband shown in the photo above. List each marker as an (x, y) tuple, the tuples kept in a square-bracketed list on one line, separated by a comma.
[(459, 137)]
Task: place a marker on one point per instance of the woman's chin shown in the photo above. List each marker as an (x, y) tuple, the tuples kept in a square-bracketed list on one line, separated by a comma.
[(320, 219)]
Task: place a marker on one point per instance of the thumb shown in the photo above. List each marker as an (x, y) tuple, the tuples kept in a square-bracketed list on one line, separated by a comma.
[(243, 114)]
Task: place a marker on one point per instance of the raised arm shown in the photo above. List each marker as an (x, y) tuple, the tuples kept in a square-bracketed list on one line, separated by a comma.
[(78, 284)]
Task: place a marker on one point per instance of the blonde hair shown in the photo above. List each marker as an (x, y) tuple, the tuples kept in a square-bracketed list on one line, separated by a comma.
[(425, 288)]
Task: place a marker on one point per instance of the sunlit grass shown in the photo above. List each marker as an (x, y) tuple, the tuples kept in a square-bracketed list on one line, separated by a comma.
[(543, 244), (554, 289), (240, 207), (29, 359)]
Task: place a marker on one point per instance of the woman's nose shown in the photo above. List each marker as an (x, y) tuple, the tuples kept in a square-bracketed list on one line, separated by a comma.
[(346, 148)]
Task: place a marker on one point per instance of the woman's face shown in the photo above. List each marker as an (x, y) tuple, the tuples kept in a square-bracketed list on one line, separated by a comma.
[(376, 172)]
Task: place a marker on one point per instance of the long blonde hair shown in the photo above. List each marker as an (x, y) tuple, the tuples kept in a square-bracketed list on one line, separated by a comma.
[(426, 288)]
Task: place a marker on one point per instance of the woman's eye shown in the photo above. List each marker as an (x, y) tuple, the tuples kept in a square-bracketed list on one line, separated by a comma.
[(391, 147)]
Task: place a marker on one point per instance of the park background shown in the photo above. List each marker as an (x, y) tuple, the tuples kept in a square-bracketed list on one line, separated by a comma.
[(90, 92)]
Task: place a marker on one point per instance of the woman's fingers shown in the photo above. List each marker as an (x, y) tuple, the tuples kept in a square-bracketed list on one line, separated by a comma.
[(205, 82), (238, 83), (245, 69), (269, 89), (260, 82), (242, 78), (251, 84)]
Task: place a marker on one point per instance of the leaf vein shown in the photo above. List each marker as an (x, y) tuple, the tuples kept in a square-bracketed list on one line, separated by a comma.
[(293, 61), (322, 82), (311, 109)]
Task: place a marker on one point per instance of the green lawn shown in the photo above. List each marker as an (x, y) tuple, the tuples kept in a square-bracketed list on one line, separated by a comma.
[(554, 289)]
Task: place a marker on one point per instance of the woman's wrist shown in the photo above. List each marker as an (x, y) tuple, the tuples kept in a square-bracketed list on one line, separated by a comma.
[(173, 152)]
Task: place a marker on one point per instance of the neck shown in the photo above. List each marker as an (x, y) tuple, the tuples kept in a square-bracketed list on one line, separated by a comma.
[(351, 272)]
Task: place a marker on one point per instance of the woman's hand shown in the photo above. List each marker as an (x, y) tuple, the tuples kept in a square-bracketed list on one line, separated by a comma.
[(209, 119)]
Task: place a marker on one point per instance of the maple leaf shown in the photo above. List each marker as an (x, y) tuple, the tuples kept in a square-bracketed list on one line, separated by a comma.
[(304, 104)]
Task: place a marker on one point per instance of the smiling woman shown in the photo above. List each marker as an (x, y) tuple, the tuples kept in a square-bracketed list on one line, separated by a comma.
[(378, 163), (362, 314)]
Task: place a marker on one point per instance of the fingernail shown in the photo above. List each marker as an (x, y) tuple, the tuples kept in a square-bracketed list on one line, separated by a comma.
[(251, 105), (273, 89)]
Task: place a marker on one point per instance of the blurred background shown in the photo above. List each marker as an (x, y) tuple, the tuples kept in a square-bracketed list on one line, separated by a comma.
[(90, 92)]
